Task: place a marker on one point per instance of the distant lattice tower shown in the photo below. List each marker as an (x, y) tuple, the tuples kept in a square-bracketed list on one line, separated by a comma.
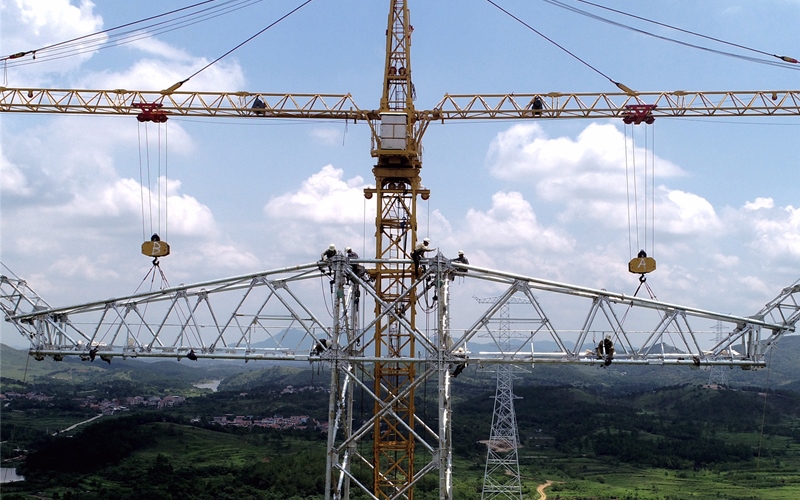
[(501, 478), (718, 375)]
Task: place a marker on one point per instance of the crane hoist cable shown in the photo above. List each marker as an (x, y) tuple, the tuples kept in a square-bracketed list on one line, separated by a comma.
[(155, 245), (641, 201)]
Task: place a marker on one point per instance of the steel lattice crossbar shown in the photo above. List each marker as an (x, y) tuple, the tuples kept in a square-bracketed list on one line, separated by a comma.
[(269, 316)]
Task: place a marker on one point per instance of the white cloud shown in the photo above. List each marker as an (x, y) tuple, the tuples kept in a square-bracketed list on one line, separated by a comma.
[(510, 233), (328, 136), (12, 180), (156, 47), (686, 213), (777, 235), (595, 162), (591, 177), (33, 24), (759, 203), (323, 198)]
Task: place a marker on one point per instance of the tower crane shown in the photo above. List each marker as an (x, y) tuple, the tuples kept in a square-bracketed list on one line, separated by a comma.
[(390, 351)]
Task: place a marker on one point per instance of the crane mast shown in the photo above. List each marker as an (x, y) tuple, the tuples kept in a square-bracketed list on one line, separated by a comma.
[(397, 189)]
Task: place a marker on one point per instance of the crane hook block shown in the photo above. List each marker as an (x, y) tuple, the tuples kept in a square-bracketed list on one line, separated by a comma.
[(642, 265), (155, 248)]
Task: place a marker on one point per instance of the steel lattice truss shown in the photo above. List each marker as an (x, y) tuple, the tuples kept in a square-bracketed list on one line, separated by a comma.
[(312, 312), (267, 316)]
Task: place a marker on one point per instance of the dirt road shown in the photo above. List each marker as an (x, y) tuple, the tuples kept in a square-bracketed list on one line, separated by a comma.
[(540, 490)]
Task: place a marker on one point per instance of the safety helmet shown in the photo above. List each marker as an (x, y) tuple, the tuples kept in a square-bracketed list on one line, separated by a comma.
[(461, 252), (347, 249), (332, 247), (426, 241)]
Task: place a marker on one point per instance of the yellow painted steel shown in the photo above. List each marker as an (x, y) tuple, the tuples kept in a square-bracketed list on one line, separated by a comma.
[(155, 248), (551, 105), (642, 265)]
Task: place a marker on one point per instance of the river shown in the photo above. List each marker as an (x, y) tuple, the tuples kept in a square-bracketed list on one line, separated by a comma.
[(213, 385), (9, 475)]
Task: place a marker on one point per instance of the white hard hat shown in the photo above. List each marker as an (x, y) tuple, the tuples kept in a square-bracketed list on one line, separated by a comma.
[(347, 249), (461, 252), (426, 240), (332, 247)]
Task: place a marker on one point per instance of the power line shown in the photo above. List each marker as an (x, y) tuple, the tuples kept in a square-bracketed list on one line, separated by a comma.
[(621, 86), (784, 59), (118, 35)]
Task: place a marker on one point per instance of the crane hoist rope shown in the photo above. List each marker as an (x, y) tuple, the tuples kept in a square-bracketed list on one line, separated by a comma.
[(641, 201), (154, 246)]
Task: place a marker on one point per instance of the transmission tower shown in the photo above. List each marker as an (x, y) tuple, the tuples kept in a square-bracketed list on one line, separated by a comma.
[(501, 478), (718, 375)]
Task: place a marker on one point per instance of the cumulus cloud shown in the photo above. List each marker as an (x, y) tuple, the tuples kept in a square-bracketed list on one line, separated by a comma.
[(595, 162), (14, 182), (32, 24), (592, 176), (323, 198), (686, 213), (759, 203), (328, 136)]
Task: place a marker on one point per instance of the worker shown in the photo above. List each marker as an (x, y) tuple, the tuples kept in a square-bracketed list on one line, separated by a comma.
[(329, 253), (418, 253), (259, 106), (538, 105), (321, 346), (605, 350), (358, 270), (462, 259)]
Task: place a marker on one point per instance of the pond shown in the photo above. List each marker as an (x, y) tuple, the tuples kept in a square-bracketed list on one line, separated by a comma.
[(9, 475)]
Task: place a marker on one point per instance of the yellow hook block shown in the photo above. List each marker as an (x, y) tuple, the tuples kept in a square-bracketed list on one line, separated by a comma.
[(155, 248), (642, 265)]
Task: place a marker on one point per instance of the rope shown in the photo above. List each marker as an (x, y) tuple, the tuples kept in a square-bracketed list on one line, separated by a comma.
[(764, 411), (149, 181), (158, 181), (175, 86), (628, 192), (646, 144), (141, 178), (653, 192), (166, 179), (744, 47), (784, 59), (93, 41), (618, 84)]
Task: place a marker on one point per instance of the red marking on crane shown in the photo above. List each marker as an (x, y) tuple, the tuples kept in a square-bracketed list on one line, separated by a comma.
[(638, 113), (151, 112)]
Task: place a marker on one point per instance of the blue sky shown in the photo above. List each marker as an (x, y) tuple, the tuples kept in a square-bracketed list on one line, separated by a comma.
[(541, 198)]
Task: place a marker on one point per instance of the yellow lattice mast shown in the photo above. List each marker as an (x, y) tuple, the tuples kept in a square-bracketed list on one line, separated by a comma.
[(397, 188)]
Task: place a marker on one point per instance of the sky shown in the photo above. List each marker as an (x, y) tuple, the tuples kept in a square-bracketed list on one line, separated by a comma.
[(548, 199)]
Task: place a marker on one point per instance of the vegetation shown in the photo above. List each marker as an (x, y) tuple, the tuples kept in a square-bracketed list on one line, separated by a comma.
[(592, 438)]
